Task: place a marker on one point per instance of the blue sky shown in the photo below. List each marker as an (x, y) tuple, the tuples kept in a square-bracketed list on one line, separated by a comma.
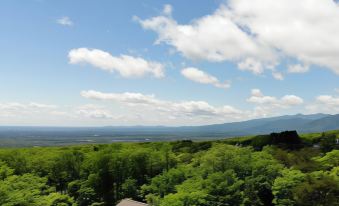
[(94, 63)]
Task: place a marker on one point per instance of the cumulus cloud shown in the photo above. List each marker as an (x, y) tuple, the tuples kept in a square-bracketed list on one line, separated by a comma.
[(12, 109), (202, 77), (257, 34), (271, 105), (324, 103), (257, 97), (278, 75), (31, 105), (328, 100), (34, 113), (65, 21), (188, 112), (169, 108), (304, 30), (125, 65), (135, 108), (94, 111), (167, 9), (213, 37), (127, 97), (250, 64), (298, 68)]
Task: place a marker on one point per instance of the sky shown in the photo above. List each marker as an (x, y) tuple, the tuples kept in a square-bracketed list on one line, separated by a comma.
[(156, 62)]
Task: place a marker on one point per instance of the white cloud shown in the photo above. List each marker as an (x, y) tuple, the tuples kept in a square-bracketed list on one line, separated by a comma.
[(38, 114), (250, 64), (298, 68), (65, 21), (158, 111), (136, 108), (126, 66), (127, 97), (167, 108), (305, 30), (324, 103), (94, 111), (328, 100), (257, 97), (257, 34), (32, 106), (269, 105), (202, 77), (291, 100), (16, 109), (167, 9), (42, 106), (213, 37), (277, 75)]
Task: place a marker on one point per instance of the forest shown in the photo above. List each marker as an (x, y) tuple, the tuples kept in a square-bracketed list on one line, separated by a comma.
[(276, 169)]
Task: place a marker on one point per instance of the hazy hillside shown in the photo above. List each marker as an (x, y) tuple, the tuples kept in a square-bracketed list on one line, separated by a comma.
[(43, 136), (327, 123), (299, 122)]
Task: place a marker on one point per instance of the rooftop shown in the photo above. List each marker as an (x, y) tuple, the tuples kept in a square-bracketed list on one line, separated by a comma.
[(129, 202)]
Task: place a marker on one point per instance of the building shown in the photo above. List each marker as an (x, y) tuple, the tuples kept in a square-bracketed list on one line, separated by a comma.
[(129, 202)]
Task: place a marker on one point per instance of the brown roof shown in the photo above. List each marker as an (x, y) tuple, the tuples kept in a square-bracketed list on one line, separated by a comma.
[(129, 202)]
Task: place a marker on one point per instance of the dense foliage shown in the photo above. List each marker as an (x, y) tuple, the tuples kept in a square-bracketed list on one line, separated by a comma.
[(276, 169)]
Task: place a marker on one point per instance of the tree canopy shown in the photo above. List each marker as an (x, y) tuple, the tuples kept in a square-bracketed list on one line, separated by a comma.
[(273, 170)]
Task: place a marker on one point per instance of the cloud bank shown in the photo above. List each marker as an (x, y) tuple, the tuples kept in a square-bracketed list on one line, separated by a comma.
[(257, 34)]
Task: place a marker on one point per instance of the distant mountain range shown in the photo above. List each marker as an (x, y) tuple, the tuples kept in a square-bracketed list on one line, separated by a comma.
[(301, 123)]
